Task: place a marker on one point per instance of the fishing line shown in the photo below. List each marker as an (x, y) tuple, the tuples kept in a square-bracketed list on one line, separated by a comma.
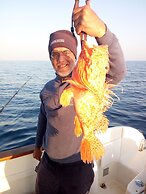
[(3, 107)]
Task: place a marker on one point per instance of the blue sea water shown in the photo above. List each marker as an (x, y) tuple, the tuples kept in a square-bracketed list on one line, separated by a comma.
[(21, 82)]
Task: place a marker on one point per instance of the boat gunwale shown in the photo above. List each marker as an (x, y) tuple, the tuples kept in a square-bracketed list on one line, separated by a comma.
[(16, 152)]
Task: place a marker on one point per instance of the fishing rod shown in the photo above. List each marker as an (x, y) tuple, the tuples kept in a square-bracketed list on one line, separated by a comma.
[(83, 35), (3, 107)]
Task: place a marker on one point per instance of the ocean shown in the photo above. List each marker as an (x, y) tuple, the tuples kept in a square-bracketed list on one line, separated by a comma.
[(20, 85)]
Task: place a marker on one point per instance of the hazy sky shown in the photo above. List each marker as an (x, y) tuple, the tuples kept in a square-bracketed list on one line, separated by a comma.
[(25, 25)]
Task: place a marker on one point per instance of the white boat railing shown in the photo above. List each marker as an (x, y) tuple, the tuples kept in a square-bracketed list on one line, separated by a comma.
[(17, 171)]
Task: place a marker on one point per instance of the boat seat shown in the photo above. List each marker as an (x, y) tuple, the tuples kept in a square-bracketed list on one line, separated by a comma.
[(121, 145)]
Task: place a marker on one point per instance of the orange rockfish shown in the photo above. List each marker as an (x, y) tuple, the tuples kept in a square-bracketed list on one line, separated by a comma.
[(91, 98)]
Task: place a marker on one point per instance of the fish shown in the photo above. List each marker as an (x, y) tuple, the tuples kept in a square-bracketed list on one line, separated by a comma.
[(91, 96)]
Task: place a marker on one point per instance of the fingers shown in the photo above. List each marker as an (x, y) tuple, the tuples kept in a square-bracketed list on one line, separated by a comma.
[(80, 28), (88, 2), (80, 18), (37, 157), (76, 4), (37, 153), (77, 19)]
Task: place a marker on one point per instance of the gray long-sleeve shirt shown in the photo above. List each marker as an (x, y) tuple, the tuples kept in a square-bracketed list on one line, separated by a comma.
[(55, 131)]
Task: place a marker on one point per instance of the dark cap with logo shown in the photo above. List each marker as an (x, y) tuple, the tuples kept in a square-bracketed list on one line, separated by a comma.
[(63, 38)]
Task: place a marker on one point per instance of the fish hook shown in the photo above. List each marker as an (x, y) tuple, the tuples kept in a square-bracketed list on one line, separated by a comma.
[(87, 2)]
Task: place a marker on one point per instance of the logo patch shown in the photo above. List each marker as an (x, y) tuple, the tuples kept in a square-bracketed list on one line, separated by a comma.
[(56, 41)]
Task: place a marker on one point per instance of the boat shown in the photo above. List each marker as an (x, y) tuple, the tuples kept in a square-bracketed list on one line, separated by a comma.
[(122, 169)]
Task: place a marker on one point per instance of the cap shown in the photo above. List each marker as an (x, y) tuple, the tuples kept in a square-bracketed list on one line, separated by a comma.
[(63, 38)]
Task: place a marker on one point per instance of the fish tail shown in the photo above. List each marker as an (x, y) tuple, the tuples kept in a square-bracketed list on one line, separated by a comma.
[(86, 154), (91, 149)]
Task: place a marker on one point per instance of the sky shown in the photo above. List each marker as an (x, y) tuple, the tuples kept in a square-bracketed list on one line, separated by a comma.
[(25, 25)]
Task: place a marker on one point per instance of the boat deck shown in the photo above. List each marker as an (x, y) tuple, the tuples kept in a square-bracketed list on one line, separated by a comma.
[(111, 187)]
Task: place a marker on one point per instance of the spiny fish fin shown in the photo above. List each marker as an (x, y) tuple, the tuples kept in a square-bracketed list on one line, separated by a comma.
[(66, 96), (78, 128), (102, 124), (76, 84), (86, 154), (91, 149)]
